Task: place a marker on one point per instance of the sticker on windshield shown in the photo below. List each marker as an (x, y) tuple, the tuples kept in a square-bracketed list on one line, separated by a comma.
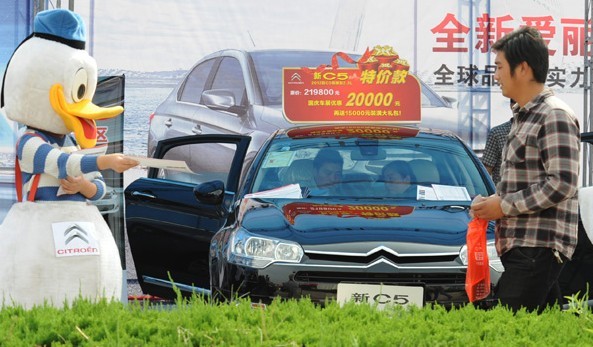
[(278, 159)]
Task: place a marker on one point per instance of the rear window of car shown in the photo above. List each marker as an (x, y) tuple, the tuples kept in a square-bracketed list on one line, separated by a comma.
[(269, 65), (435, 162)]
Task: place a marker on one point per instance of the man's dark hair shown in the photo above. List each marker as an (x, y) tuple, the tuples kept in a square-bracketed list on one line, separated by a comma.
[(327, 155), (525, 45)]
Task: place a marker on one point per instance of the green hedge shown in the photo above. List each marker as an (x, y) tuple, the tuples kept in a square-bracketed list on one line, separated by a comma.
[(289, 323)]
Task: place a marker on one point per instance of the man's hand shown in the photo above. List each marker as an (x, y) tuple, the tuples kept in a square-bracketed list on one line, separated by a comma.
[(116, 162), (487, 208)]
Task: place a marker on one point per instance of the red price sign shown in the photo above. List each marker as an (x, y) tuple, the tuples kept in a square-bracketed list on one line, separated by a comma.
[(292, 210), (351, 95), (364, 131)]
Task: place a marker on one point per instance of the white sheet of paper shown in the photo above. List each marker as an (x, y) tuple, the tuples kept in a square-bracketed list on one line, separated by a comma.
[(444, 192), (290, 191), (178, 165)]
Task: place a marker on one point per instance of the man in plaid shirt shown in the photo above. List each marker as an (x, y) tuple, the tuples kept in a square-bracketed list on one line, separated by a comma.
[(536, 204)]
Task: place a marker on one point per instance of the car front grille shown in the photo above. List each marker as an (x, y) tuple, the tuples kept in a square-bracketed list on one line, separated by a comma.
[(428, 278), (381, 254)]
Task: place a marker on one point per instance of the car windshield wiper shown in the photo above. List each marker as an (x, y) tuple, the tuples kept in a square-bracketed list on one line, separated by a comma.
[(456, 208), (447, 206)]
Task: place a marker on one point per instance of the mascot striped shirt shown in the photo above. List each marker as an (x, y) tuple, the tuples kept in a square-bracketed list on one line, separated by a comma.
[(54, 158)]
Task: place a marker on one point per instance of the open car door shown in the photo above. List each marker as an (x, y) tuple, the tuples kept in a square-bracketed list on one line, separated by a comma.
[(169, 229)]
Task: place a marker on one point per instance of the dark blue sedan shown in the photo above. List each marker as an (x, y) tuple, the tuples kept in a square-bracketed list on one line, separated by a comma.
[(370, 213)]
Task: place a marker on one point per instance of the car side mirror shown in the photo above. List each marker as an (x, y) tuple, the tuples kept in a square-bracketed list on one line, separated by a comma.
[(221, 99), (211, 192)]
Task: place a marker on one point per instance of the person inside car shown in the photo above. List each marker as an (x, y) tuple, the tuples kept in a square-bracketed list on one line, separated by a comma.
[(399, 180), (327, 171)]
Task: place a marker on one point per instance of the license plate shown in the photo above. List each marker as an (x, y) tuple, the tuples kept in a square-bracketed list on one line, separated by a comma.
[(380, 295)]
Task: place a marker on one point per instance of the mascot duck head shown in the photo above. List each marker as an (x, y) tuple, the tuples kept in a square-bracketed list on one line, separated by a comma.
[(50, 80)]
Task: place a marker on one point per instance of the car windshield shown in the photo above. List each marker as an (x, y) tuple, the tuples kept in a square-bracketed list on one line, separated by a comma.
[(418, 168)]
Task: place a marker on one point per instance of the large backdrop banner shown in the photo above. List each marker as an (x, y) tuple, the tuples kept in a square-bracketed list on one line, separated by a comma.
[(446, 43)]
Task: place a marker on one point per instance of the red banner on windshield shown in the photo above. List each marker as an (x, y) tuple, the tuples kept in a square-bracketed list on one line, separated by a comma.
[(292, 210), (363, 131)]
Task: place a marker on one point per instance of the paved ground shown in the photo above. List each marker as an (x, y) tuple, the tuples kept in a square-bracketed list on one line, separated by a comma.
[(133, 286)]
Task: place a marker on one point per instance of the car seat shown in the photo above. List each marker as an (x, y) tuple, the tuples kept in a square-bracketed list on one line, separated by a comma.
[(357, 184), (425, 171), (299, 171)]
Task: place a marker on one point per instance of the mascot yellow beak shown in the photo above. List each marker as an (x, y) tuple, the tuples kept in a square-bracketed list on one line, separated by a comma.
[(80, 117)]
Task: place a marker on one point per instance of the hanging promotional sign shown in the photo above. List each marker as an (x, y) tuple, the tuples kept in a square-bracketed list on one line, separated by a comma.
[(379, 89)]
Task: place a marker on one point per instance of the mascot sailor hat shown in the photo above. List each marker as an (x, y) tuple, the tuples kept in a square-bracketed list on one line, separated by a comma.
[(56, 75)]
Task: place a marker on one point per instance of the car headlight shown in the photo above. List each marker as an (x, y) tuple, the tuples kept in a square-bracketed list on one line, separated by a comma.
[(259, 252), (493, 258)]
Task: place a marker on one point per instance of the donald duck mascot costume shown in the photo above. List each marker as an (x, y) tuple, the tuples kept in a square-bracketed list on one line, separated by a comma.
[(55, 247)]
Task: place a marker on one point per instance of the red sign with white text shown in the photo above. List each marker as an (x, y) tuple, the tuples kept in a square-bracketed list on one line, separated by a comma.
[(363, 131), (292, 210), (351, 95)]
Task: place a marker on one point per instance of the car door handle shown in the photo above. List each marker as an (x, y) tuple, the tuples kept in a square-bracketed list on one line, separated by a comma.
[(143, 195), (168, 123), (196, 130)]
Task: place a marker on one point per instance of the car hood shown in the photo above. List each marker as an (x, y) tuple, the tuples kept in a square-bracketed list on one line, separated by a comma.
[(317, 221)]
